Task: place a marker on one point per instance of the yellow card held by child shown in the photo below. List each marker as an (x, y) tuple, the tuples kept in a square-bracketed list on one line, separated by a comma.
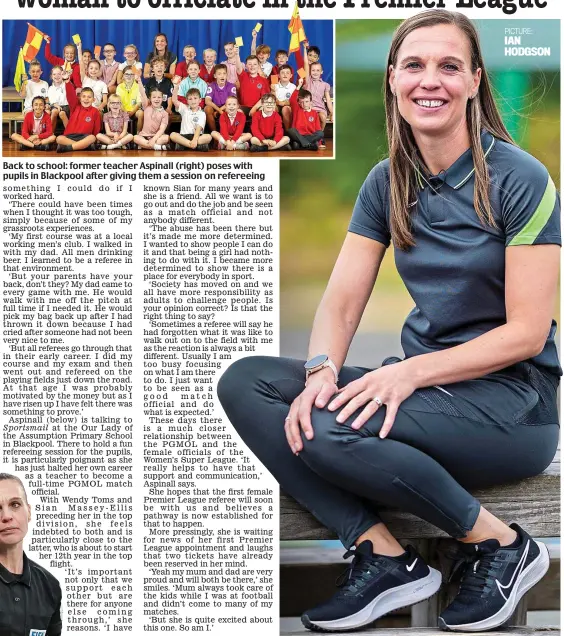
[(258, 27), (97, 50), (239, 41), (301, 73), (76, 38)]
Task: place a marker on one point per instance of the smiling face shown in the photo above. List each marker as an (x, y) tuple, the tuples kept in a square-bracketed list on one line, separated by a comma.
[(68, 53), (316, 71), (230, 51), (38, 106), (253, 67), (312, 56), (193, 101), (156, 99), (15, 514), (160, 43), (93, 69), (57, 75), (263, 56), (109, 53), (193, 70), (86, 57), (35, 72), (129, 77), (114, 104), (86, 97), (433, 80), (189, 53), (268, 106), (285, 75), (130, 55), (209, 58), (231, 106)]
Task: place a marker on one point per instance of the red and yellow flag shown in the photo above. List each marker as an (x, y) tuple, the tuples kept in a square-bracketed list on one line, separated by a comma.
[(296, 29), (33, 42)]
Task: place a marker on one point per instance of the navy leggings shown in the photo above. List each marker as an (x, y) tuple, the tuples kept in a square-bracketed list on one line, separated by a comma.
[(444, 441)]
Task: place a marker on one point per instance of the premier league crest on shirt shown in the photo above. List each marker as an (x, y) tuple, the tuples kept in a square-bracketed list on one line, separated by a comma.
[(88, 118)]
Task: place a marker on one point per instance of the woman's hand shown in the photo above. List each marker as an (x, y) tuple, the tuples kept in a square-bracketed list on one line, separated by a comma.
[(319, 389), (391, 384)]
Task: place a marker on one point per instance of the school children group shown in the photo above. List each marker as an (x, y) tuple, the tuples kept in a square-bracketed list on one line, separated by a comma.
[(230, 106)]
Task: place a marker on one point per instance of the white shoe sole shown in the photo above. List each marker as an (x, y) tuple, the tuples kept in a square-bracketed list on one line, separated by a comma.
[(388, 601), (530, 576)]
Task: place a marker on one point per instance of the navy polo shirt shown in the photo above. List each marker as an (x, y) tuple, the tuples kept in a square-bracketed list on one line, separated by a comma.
[(30, 603), (456, 271)]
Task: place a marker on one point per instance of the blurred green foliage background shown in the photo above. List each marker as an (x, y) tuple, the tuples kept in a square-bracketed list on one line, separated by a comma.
[(317, 196)]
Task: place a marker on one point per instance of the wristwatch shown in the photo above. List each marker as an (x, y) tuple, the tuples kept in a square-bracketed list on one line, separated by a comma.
[(313, 365)]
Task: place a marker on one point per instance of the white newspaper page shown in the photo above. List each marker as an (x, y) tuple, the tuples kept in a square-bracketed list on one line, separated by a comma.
[(145, 234)]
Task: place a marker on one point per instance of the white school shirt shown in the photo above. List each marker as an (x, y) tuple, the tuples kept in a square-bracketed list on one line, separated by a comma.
[(98, 87), (57, 95), (190, 119)]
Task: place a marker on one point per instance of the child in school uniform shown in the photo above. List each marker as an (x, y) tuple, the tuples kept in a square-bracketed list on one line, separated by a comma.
[(193, 122), (33, 86), (216, 96), (232, 62), (115, 122), (37, 133), (231, 135), (320, 92), (251, 85), (90, 79), (130, 96), (155, 121), (192, 81), (266, 127), (208, 67), (84, 121), (262, 51), (313, 53), (109, 67), (159, 81), (283, 92), (281, 58), (306, 128), (69, 62), (189, 53), (57, 97), (132, 62)]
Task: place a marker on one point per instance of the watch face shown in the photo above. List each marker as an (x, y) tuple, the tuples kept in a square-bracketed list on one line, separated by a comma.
[(315, 362)]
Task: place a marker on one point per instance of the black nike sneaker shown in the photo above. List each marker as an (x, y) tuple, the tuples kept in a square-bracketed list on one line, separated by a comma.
[(372, 586), (494, 580)]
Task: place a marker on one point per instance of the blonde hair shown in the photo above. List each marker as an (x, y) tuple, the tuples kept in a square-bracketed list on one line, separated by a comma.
[(209, 51), (132, 46), (405, 161)]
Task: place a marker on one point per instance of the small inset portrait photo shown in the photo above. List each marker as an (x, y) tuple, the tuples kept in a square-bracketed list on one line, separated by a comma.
[(30, 597)]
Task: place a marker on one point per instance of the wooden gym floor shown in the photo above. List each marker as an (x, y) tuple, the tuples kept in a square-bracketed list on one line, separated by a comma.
[(11, 149)]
